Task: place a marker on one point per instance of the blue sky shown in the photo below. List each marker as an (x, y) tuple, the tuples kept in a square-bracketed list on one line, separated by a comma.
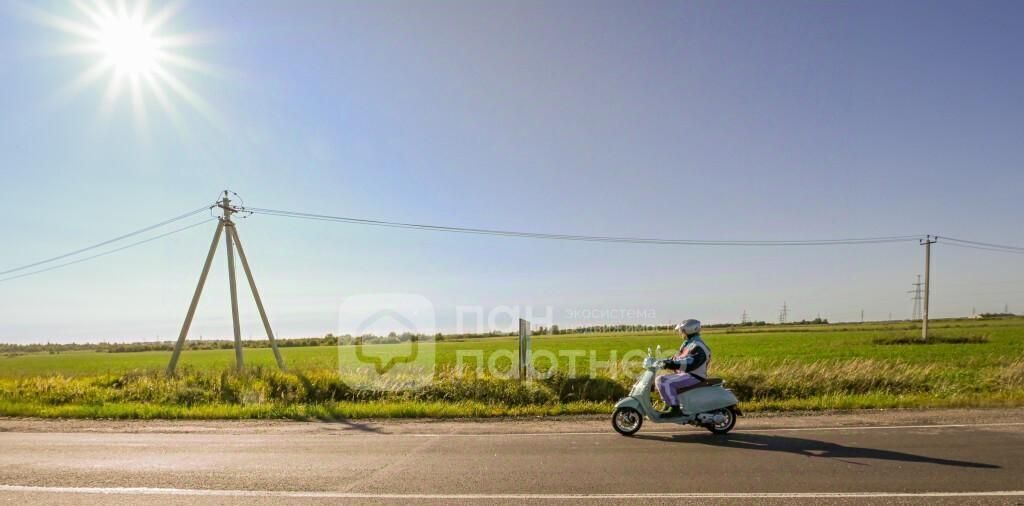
[(708, 120)]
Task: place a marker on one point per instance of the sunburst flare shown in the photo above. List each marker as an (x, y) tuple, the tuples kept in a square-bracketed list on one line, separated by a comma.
[(129, 48)]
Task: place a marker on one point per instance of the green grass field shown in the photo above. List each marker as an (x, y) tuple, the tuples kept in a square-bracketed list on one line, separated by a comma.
[(770, 368)]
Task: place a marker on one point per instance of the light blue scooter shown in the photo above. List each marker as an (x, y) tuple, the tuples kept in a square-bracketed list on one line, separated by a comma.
[(708, 404)]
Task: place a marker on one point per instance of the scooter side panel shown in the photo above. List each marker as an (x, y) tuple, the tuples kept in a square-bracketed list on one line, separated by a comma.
[(702, 400)]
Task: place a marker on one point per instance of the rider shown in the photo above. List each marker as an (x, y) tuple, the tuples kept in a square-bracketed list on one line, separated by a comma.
[(691, 363)]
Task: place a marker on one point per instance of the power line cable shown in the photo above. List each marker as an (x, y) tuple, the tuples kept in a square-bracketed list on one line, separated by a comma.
[(985, 244), (108, 241), (105, 253), (587, 238), (985, 248), (961, 243)]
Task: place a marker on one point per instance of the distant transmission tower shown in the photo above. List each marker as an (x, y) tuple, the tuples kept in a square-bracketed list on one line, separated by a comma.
[(917, 298), (231, 242), (743, 319), (784, 313)]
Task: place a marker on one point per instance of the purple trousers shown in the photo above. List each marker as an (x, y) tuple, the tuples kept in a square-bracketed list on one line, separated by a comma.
[(668, 384)]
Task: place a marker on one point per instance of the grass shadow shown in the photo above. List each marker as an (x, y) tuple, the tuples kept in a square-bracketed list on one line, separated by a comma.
[(916, 340), (351, 424)]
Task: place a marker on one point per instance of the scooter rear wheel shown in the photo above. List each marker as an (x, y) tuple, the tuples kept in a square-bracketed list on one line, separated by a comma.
[(727, 424), (627, 421)]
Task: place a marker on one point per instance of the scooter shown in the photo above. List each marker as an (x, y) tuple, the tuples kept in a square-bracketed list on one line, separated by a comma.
[(707, 404)]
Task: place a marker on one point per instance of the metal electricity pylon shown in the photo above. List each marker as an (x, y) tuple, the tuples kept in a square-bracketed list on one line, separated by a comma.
[(231, 241), (916, 314)]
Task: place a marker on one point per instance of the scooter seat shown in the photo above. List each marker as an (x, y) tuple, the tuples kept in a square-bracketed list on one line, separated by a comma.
[(710, 382)]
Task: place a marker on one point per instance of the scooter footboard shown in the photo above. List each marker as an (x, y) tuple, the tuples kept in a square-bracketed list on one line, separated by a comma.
[(702, 400)]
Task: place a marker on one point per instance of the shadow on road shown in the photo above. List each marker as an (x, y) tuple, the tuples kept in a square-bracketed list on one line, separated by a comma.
[(807, 448), (362, 427)]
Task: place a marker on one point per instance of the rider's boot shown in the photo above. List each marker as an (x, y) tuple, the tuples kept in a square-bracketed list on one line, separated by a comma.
[(673, 412)]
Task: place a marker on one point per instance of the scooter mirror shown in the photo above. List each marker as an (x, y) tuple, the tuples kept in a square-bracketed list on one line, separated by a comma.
[(658, 351), (649, 353)]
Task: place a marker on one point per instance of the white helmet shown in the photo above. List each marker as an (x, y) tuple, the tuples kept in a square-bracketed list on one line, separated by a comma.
[(689, 327)]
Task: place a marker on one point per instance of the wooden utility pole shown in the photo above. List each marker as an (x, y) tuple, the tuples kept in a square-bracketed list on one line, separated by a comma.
[(256, 296), (195, 300), (927, 242), (226, 227), (229, 225)]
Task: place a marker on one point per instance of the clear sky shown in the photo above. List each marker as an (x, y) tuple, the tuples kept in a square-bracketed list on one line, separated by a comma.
[(707, 120)]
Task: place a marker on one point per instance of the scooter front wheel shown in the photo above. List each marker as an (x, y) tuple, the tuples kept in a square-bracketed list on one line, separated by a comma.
[(627, 421)]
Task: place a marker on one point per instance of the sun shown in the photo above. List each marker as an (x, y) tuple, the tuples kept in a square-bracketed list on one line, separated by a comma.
[(129, 47)]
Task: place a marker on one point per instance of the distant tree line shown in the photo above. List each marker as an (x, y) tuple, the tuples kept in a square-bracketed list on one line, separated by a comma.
[(391, 338), (214, 344), (996, 315), (816, 321), (51, 348)]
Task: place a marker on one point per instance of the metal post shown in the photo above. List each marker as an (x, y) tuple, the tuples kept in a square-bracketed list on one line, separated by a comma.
[(525, 367), (927, 284), (195, 301), (239, 363), (256, 295)]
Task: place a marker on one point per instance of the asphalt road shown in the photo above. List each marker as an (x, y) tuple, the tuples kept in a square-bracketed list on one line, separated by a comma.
[(954, 457)]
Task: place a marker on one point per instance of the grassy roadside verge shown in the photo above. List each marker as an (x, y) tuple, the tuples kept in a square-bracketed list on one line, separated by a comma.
[(967, 363), (264, 393)]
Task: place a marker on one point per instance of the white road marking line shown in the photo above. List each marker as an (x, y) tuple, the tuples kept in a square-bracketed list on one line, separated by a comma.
[(882, 427), (738, 431), (367, 495)]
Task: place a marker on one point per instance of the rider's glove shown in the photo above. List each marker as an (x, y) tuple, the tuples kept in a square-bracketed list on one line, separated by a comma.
[(671, 364)]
